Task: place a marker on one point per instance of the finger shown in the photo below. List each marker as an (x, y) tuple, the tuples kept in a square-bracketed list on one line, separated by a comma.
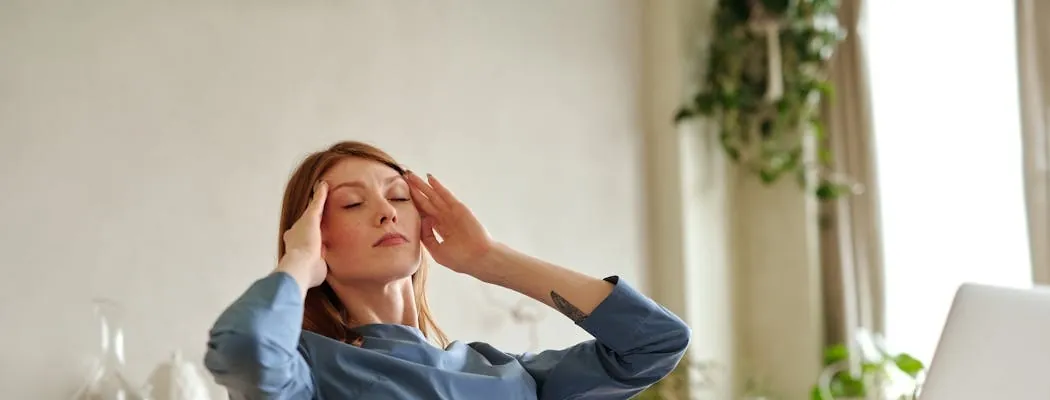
[(442, 191), (416, 182), (320, 195), (427, 235), (422, 202)]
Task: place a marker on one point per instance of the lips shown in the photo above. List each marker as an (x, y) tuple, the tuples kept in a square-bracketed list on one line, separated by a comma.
[(391, 239)]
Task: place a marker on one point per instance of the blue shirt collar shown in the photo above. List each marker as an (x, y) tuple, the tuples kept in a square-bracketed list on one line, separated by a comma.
[(391, 332)]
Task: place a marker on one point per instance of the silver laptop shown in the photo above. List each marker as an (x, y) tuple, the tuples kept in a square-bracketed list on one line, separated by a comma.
[(995, 345)]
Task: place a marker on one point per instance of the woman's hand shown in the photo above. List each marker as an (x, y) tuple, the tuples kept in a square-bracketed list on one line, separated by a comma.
[(304, 252), (464, 241)]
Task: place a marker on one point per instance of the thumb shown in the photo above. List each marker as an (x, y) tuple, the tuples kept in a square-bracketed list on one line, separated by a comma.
[(427, 235)]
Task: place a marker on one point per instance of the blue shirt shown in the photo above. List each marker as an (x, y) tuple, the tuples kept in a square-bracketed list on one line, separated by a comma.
[(258, 350)]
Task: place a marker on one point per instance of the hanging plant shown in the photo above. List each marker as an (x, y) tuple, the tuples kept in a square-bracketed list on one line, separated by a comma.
[(766, 77)]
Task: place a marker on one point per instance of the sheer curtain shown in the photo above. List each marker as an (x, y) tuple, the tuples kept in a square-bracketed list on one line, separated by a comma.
[(854, 270), (946, 108), (1033, 37)]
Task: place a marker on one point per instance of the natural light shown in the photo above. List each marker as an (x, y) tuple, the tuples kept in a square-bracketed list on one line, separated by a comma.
[(948, 146)]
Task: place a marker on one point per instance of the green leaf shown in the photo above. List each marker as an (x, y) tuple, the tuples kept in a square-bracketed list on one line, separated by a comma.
[(766, 129), (776, 7), (846, 385), (823, 6), (826, 89), (705, 103), (835, 353), (734, 11), (731, 151), (768, 175), (826, 158), (816, 394), (828, 190), (683, 114), (870, 367), (831, 190), (909, 364)]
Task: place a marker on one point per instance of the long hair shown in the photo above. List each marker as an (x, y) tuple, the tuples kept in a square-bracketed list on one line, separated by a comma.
[(323, 312)]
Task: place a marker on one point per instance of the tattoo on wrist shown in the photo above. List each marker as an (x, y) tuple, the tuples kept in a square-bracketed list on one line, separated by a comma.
[(563, 306)]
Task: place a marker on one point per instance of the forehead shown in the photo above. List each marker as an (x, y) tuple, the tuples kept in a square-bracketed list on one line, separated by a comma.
[(358, 169)]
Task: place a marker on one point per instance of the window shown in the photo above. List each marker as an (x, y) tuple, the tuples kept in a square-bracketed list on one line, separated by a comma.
[(948, 145)]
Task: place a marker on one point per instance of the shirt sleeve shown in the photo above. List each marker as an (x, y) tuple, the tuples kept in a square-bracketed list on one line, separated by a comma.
[(637, 343), (253, 350)]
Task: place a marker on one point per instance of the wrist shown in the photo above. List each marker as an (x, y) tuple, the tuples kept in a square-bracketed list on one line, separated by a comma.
[(497, 266), (293, 259), (296, 264)]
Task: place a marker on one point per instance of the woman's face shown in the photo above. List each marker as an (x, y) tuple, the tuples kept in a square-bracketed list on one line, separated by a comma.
[(370, 228)]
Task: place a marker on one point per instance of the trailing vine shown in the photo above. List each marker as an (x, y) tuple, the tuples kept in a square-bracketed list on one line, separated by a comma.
[(765, 81)]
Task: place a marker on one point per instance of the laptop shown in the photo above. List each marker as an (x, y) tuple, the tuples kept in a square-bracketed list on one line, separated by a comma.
[(995, 345)]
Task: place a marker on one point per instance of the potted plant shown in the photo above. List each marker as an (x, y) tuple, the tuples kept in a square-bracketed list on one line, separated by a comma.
[(881, 375), (765, 79)]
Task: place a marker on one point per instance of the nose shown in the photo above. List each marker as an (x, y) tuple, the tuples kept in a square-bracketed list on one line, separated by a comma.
[(387, 214)]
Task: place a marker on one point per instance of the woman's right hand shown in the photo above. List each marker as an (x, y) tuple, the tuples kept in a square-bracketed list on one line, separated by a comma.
[(304, 251)]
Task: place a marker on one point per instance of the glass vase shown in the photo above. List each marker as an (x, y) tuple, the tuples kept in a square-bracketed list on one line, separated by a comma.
[(107, 380)]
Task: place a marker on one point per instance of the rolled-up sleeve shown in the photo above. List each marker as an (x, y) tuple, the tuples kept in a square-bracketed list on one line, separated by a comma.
[(636, 343), (254, 349)]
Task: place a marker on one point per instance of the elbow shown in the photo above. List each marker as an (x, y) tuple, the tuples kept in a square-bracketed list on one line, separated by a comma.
[(672, 348), (249, 365), (244, 358), (655, 357), (680, 338), (670, 336), (249, 345), (659, 357), (233, 355)]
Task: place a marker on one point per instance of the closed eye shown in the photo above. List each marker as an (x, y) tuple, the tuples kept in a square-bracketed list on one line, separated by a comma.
[(354, 205), (400, 199)]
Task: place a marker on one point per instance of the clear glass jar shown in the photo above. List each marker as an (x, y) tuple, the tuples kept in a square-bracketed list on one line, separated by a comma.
[(107, 380)]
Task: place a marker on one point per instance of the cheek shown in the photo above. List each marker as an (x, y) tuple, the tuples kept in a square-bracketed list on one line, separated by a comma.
[(341, 233), (409, 219)]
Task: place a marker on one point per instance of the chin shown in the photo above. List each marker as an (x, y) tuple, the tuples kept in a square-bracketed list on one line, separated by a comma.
[(403, 265), (380, 273), (391, 267)]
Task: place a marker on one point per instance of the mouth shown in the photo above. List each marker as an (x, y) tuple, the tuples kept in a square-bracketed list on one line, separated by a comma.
[(391, 239)]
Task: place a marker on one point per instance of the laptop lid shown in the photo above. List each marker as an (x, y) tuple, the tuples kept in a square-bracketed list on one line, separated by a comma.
[(995, 345)]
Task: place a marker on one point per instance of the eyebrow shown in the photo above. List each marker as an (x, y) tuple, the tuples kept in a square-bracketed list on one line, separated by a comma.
[(361, 184)]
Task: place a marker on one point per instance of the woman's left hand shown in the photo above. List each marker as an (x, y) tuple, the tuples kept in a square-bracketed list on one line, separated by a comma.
[(464, 241)]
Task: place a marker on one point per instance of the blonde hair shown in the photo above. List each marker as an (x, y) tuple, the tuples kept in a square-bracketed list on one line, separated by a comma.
[(323, 313)]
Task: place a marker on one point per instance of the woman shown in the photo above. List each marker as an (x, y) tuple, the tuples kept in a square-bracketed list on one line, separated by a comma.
[(344, 315)]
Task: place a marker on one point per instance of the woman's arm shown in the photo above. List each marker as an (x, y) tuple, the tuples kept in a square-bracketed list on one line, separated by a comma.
[(637, 342), (253, 349), (574, 294)]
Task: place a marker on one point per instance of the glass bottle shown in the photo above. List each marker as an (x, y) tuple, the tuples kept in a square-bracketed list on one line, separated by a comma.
[(107, 380)]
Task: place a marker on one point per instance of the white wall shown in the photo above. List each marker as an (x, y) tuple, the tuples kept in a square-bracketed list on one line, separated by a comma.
[(144, 145)]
